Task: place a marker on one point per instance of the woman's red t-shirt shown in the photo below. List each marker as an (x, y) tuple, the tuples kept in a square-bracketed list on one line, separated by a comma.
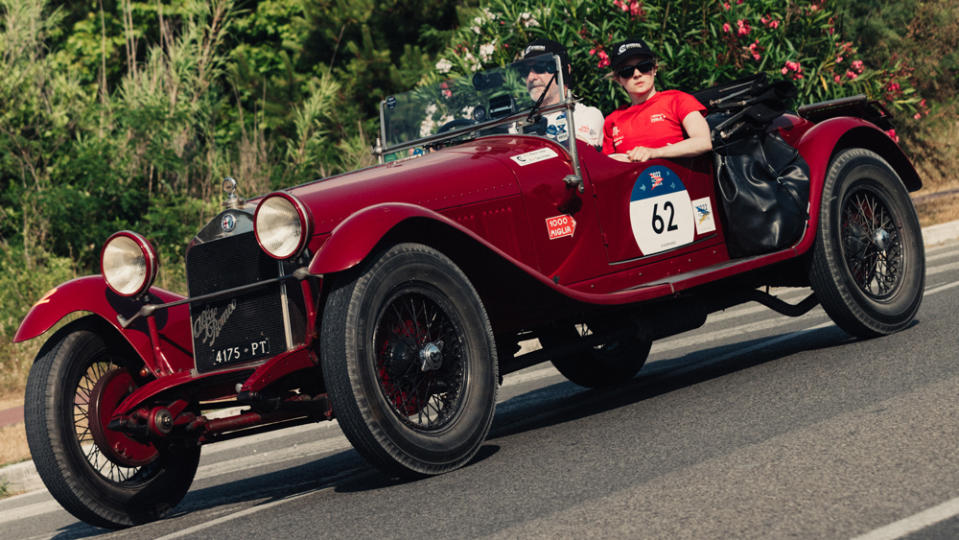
[(655, 123)]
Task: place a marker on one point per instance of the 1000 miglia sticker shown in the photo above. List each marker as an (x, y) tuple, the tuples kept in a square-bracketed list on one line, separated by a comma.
[(660, 211)]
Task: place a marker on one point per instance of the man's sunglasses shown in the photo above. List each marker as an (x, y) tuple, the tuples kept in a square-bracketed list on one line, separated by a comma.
[(643, 67), (542, 66)]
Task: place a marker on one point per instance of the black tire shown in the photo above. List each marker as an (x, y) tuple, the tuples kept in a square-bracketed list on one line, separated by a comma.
[(611, 363), (79, 474), (868, 264), (409, 361)]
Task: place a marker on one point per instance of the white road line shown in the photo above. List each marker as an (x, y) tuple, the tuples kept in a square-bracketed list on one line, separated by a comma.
[(915, 522)]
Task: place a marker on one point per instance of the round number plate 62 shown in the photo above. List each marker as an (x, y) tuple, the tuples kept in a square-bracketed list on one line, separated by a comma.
[(660, 211)]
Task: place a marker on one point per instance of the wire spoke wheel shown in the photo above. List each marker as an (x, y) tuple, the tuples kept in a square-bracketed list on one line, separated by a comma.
[(872, 245), (420, 361), (868, 265), (616, 359), (409, 361), (101, 476)]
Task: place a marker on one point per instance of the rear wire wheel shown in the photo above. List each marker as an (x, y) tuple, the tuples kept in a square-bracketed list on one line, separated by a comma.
[(868, 265), (614, 361), (409, 361), (100, 476)]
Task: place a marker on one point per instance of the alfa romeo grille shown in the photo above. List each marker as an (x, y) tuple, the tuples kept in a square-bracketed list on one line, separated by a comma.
[(241, 328)]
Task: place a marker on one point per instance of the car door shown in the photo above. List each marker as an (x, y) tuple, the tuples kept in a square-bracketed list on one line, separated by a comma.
[(656, 211)]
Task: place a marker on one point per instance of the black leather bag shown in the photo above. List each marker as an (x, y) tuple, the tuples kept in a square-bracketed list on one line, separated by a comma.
[(764, 190)]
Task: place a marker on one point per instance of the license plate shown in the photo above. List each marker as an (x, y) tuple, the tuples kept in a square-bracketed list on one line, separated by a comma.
[(238, 354)]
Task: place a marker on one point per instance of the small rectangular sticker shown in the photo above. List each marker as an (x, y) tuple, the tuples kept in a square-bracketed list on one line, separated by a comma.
[(535, 156), (560, 226), (703, 216)]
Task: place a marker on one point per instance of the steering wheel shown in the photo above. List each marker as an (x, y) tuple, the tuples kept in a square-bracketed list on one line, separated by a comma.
[(453, 124)]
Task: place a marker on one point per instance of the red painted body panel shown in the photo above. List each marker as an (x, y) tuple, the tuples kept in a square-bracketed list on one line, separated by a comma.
[(90, 293)]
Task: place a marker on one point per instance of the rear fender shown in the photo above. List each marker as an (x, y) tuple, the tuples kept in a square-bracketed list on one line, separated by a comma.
[(91, 294), (823, 141)]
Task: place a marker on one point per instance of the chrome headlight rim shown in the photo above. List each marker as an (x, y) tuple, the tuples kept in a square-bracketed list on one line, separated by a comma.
[(150, 259), (302, 216)]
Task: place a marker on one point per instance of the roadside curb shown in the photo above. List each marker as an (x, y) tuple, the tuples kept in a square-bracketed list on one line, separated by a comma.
[(23, 477), (20, 477), (938, 234)]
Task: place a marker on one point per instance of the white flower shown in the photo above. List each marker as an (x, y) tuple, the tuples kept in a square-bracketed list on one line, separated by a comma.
[(474, 63), (478, 20), (476, 29), (427, 126), (486, 52), (444, 65), (467, 112), (489, 14), (431, 109), (445, 119)]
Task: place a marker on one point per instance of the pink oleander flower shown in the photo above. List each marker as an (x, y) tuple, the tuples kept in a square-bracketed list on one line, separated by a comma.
[(892, 135), (764, 19), (592, 52), (917, 116), (636, 8), (784, 71), (851, 74), (743, 27), (739, 2), (893, 86), (839, 59), (793, 66), (754, 50), (857, 65), (726, 6), (837, 79), (726, 28), (774, 24), (923, 103), (603, 59)]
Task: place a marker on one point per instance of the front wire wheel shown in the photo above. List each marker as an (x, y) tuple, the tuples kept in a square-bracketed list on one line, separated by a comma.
[(409, 361), (868, 264), (100, 476)]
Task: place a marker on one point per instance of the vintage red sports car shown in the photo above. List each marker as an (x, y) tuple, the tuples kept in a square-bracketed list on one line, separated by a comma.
[(393, 298)]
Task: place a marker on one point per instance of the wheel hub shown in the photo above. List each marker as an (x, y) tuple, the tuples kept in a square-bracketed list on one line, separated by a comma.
[(881, 239), (431, 356), (107, 394)]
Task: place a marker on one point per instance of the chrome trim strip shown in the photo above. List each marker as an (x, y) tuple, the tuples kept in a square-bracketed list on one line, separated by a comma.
[(148, 309), (285, 308)]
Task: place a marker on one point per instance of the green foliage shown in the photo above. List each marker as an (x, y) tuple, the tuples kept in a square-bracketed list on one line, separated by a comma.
[(698, 45)]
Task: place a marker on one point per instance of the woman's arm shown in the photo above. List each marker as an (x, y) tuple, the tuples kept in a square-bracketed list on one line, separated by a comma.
[(697, 143)]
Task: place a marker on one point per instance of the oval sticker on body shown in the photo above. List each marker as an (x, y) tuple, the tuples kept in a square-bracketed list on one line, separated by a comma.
[(660, 211)]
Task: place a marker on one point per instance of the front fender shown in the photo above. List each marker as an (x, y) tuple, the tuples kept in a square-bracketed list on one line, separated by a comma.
[(820, 144), (353, 239), (91, 294)]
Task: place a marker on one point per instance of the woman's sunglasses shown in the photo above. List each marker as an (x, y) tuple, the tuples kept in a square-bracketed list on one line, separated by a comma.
[(643, 67)]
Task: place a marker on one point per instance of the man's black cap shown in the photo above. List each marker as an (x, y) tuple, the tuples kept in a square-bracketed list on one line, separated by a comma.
[(547, 46), (631, 48)]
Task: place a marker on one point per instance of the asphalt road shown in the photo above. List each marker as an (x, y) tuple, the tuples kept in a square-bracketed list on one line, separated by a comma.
[(754, 426)]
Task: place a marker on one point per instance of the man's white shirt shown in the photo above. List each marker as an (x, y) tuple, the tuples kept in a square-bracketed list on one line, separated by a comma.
[(588, 122)]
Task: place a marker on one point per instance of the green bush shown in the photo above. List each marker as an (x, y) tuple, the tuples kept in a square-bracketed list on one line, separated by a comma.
[(698, 44)]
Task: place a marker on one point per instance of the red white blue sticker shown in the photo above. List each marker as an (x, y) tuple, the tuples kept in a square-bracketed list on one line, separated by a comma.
[(660, 211), (703, 212)]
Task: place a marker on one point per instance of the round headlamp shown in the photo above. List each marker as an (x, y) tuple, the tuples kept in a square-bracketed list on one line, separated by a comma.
[(281, 225), (129, 263)]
